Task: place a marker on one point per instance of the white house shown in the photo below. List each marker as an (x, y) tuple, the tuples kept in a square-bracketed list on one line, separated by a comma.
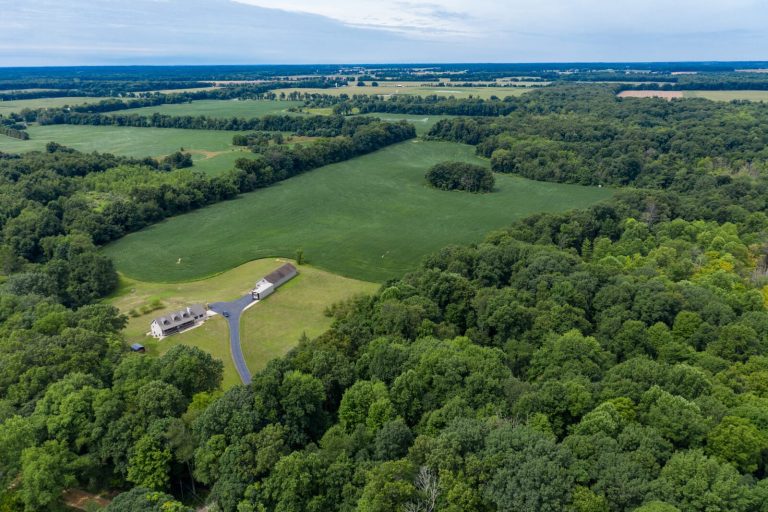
[(178, 321), (268, 284)]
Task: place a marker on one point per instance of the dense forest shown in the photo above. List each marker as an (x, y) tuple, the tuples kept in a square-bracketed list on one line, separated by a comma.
[(460, 176), (601, 360)]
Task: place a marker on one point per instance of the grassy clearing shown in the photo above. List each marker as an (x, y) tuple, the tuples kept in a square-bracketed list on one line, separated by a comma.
[(270, 328), (212, 151), (728, 95), (218, 108), (370, 218), (120, 140), (422, 123), (417, 90), (273, 327), (8, 107)]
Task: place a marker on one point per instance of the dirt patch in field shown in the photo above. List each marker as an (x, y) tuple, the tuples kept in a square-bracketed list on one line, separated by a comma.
[(668, 95)]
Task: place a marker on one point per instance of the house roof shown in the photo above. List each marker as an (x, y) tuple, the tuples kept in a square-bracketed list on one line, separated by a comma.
[(177, 318), (281, 273)]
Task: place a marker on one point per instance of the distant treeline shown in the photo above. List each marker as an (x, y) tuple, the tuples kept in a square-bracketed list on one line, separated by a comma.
[(278, 162), (147, 90), (595, 139)]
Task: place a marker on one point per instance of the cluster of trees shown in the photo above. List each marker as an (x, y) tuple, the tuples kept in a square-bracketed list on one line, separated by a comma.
[(12, 128), (258, 139), (651, 144), (460, 176), (278, 162)]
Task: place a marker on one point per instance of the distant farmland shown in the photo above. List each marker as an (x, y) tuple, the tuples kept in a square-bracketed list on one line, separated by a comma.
[(218, 108), (710, 95), (370, 218), (417, 90), (9, 107), (212, 151)]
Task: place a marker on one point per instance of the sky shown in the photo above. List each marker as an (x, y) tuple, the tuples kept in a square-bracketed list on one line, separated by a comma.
[(93, 32)]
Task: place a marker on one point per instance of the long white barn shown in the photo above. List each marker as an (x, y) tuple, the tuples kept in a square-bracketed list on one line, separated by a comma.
[(268, 284)]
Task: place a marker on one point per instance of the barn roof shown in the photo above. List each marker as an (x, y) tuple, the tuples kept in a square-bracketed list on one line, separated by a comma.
[(281, 273)]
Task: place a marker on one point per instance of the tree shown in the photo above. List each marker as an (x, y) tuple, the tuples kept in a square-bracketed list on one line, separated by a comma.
[(149, 463), (692, 481), (190, 370), (46, 471), (141, 499), (738, 441)]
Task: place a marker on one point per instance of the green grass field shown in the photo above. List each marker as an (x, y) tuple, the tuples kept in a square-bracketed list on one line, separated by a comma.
[(8, 107), (269, 329), (212, 151), (422, 123), (728, 95), (218, 108), (370, 218), (416, 90)]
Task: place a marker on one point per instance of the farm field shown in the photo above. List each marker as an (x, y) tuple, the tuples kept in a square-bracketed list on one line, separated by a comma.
[(728, 95), (212, 151), (710, 95), (422, 123), (265, 332), (415, 89), (9, 107), (369, 218), (218, 108)]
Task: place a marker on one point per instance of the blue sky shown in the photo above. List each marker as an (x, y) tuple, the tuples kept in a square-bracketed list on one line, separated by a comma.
[(74, 32)]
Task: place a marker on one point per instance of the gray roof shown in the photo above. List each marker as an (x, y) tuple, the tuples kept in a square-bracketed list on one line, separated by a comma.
[(177, 318), (137, 346), (281, 273)]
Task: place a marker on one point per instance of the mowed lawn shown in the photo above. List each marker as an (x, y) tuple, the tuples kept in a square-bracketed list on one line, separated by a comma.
[(370, 218), (218, 108), (8, 107), (416, 90), (212, 151), (270, 328)]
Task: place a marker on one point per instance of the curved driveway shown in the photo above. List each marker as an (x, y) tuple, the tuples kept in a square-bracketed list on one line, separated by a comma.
[(235, 309)]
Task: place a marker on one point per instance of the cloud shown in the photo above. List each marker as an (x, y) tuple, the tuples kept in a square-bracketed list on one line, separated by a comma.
[(71, 32)]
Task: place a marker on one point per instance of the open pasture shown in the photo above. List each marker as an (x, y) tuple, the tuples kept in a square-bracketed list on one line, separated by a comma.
[(246, 109), (11, 106), (370, 218), (710, 95), (212, 151), (269, 329)]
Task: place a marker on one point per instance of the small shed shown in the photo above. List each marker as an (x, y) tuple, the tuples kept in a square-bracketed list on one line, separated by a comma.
[(138, 347)]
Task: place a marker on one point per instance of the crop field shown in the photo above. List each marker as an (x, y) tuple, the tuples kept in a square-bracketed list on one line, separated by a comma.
[(265, 333), (370, 218), (218, 108), (212, 151), (728, 95), (9, 107), (417, 90), (710, 95)]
